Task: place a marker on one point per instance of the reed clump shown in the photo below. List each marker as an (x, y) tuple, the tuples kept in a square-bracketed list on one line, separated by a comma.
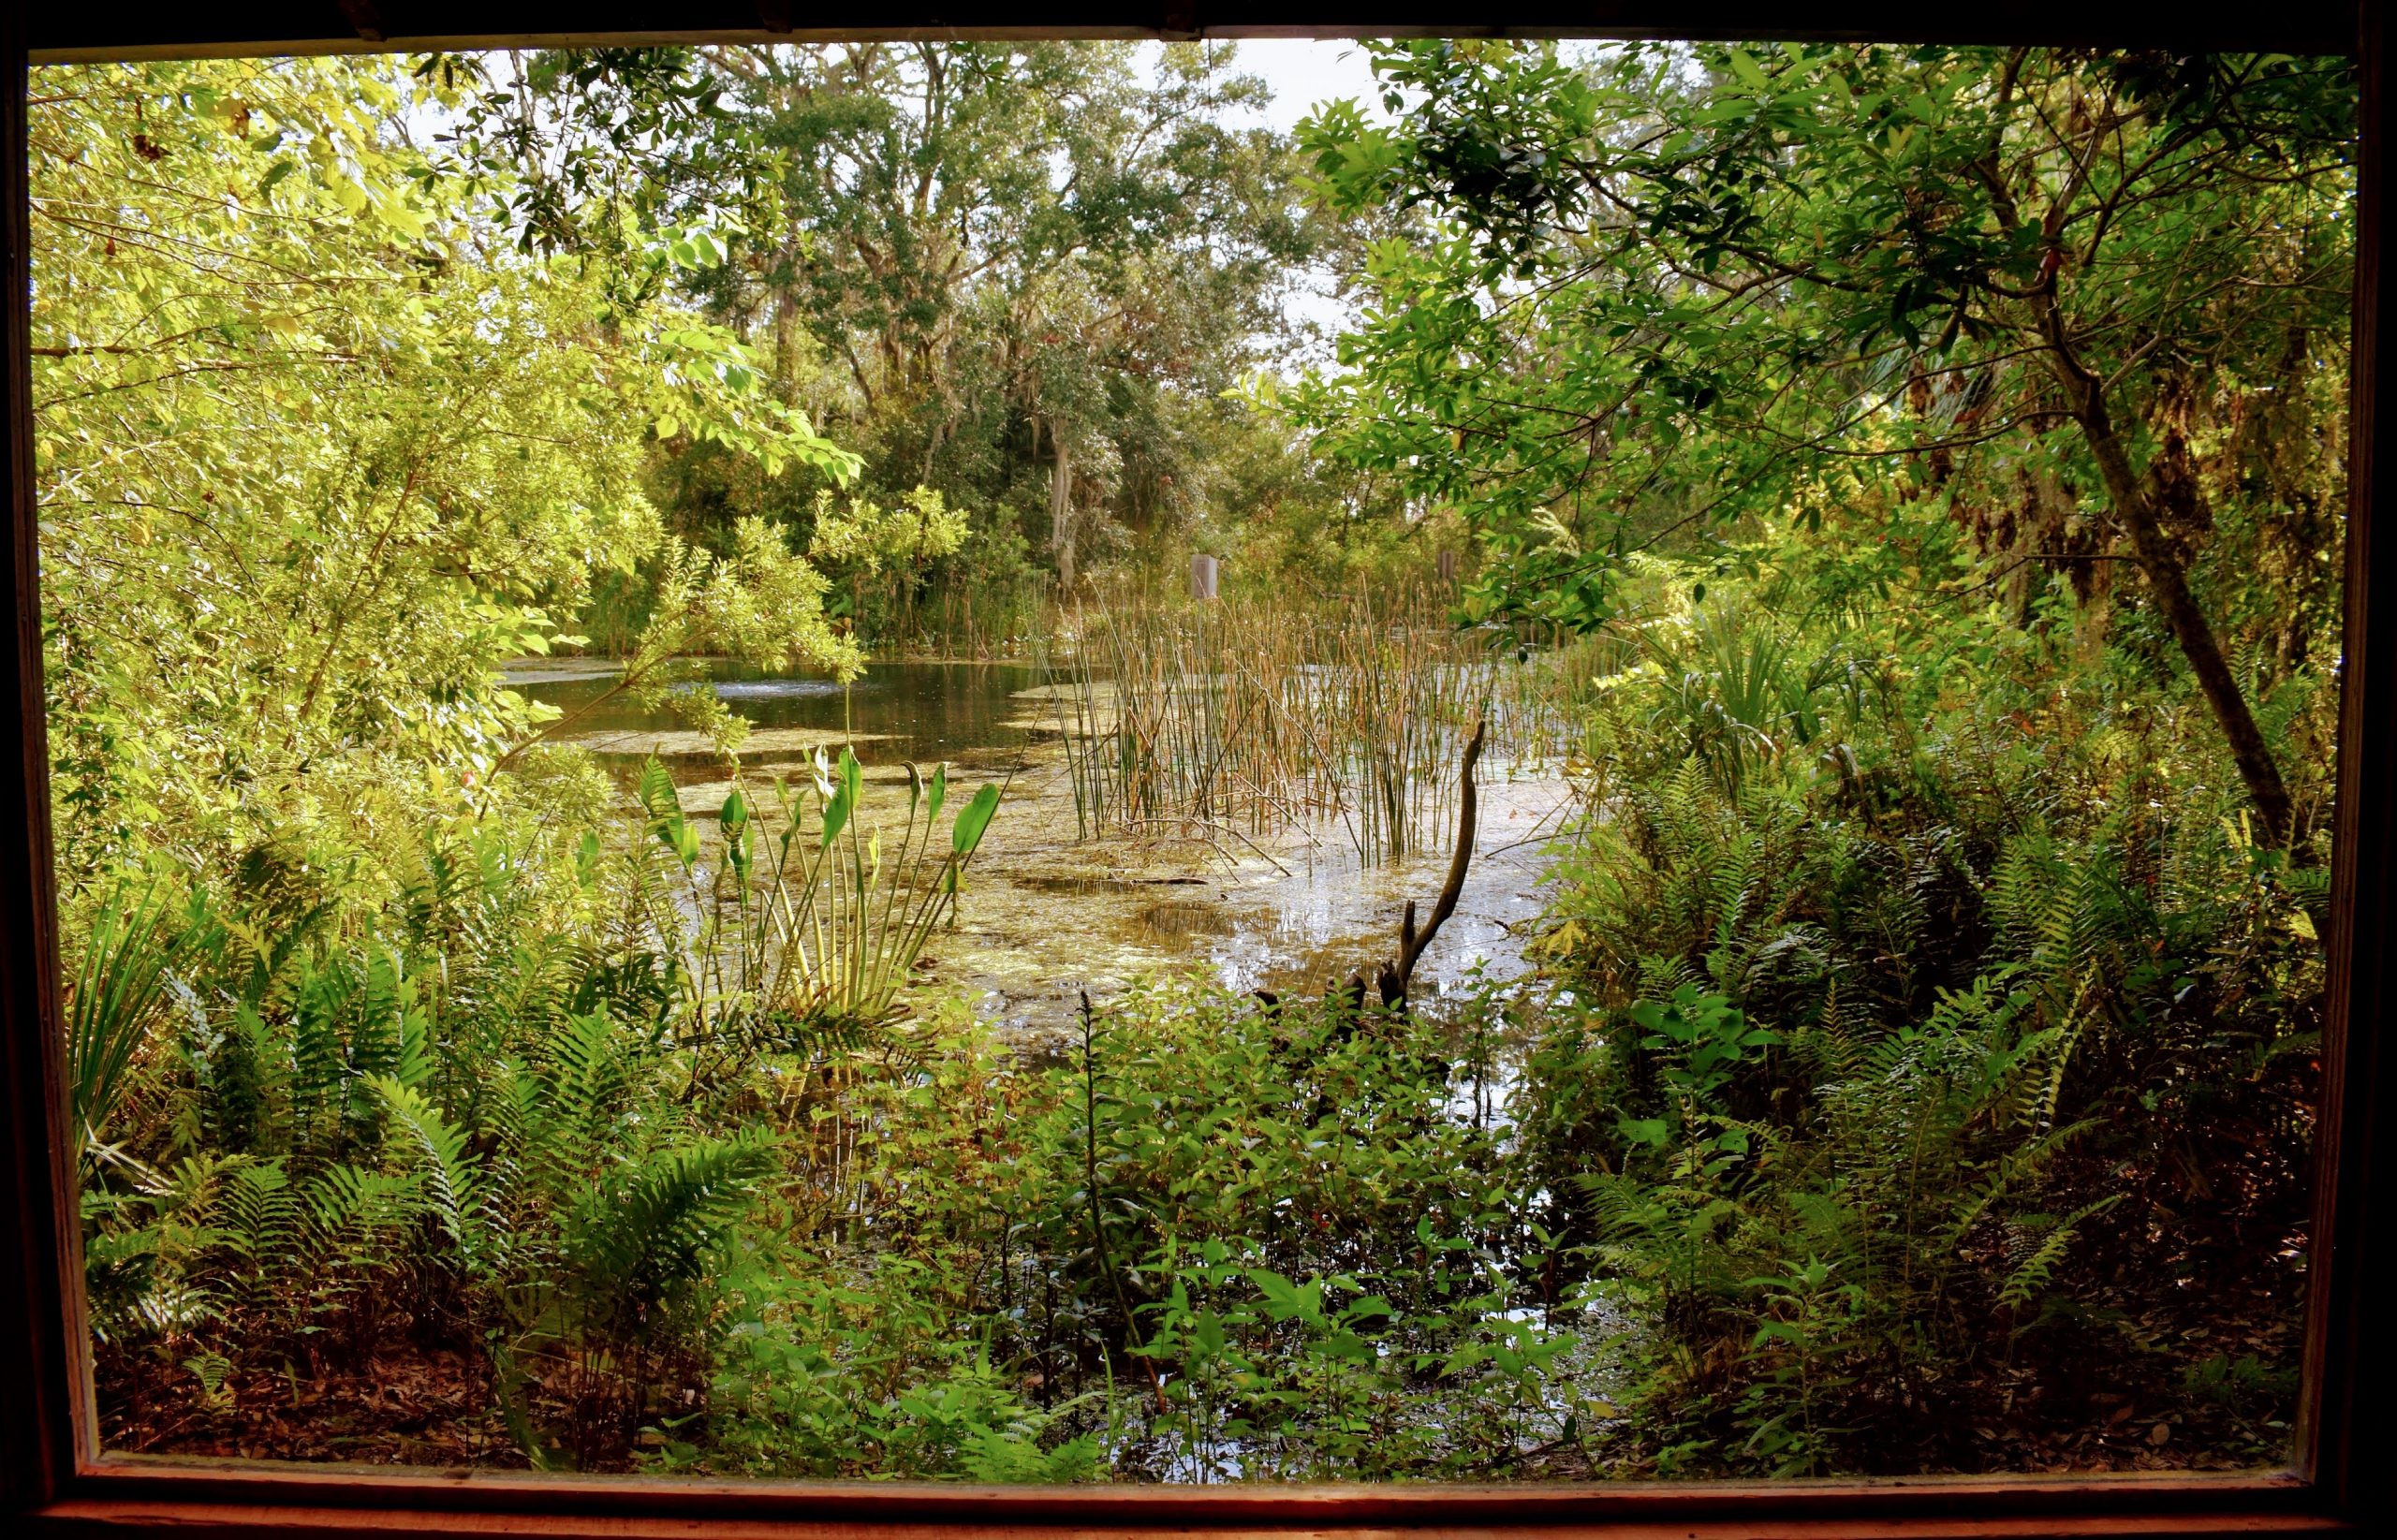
[(1239, 717)]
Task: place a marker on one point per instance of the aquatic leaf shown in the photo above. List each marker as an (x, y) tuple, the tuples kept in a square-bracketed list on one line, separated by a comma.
[(974, 818), (915, 789), (838, 802), (939, 791)]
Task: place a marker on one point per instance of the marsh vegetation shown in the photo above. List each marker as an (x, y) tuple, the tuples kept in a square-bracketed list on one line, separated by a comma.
[(659, 869), (1233, 719)]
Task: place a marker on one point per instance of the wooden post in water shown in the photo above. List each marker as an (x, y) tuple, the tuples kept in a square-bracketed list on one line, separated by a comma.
[(1202, 577)]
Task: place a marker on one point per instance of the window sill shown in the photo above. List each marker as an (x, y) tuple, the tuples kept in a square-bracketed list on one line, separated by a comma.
[(119, 1496)]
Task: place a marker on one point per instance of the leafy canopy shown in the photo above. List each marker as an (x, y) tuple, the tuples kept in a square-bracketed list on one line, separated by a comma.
[(320, 447)]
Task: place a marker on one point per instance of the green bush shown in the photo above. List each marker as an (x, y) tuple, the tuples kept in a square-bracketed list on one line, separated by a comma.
[(1938, 1046)]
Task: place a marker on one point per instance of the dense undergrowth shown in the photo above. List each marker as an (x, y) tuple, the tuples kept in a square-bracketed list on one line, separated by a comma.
[(1941, 1060), (490, 1168), (1917, 1071), (1919, 1076)]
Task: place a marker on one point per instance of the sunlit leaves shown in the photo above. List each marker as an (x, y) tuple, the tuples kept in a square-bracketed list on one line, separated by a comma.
[(319, 452), (1675, 282)]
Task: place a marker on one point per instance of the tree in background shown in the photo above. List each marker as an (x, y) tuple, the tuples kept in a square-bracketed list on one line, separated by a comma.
[(1021, 276), (321, 444), (2095, 305)]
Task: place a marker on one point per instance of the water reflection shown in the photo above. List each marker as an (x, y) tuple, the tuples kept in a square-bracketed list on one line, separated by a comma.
[(1045, 914), (922, 711)]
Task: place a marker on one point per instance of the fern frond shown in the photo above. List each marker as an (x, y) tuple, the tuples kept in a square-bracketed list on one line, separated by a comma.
[(452, 1179), (261, 1214), (354, 1219), (2032, 1275), (648, 1232)]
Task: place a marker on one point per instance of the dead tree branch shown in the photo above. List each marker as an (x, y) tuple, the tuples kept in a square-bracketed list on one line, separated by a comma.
[(1399, 971)]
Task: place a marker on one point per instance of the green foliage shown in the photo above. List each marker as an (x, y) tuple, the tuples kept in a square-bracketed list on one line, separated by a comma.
[(1668, 287), (1218, 1240), (295, 514), (117, 998), (417, 1148), (799, 931), (1918, 1073), (1738, 263), (1021, 277), (1877, 1078)]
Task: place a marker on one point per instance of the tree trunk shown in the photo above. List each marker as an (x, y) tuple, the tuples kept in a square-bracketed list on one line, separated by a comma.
[(1060, 509), (786, 350), (2169, 580)]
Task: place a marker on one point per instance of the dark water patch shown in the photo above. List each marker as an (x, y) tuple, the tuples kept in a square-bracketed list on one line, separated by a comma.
[(1086, 886), (908, 711)]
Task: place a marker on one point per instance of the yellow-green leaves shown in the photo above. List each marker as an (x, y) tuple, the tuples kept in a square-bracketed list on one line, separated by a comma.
[(705, 383), (318, 455), (864, 534), (974, 819), (694, 248)]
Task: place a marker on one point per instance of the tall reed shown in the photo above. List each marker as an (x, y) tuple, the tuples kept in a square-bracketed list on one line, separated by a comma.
[(1237, 717)]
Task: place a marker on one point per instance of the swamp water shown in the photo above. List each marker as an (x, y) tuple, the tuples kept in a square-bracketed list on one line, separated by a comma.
[(1045, 915)]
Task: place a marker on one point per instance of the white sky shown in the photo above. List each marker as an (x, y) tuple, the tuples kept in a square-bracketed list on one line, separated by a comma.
[(1303, 71)]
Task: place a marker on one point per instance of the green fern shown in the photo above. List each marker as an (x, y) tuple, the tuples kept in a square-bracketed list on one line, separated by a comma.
[(450, 1180), (356, 1219), (647, 1231), (2032, 1275)]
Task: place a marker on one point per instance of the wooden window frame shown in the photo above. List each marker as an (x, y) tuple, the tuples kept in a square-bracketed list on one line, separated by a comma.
[(54, 1480)]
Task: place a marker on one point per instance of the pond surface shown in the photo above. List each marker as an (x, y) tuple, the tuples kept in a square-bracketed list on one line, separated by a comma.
[(910, 711), (1045, 914)]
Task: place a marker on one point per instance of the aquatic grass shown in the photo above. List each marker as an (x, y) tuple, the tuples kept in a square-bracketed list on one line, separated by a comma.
[(1233, 718)]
